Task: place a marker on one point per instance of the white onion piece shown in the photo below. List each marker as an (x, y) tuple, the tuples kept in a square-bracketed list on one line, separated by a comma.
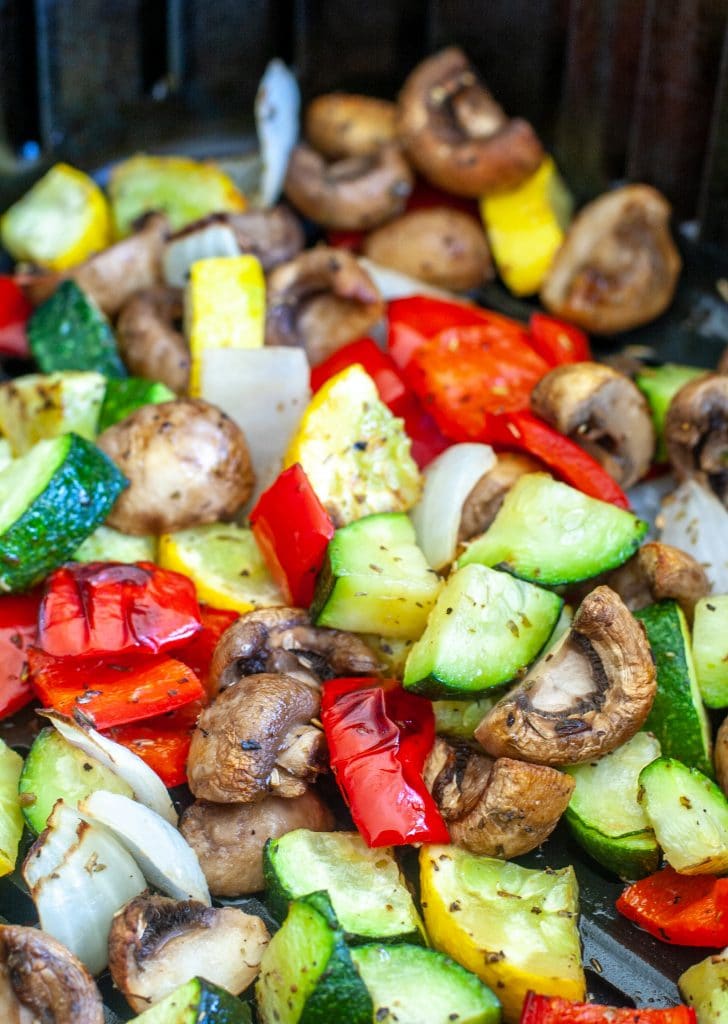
[(147, 786), (449, 479), (204, 243), (277, 108), (646, 497), (393, 284), (694, 520), (166, 860), (79, 876)]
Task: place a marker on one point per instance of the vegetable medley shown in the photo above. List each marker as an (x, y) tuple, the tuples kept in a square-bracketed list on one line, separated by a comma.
[(351, 564)]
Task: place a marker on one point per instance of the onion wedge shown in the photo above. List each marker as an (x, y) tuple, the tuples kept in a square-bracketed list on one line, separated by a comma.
[(277, 108), (694, 520)]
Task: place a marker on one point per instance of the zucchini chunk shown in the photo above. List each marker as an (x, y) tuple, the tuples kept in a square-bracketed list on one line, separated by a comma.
[(106, 544), (194, 1002), (704, 986), (123, 397), (44, 405), (659, 385), (11, 817), (710, 649), (69, 332), (458, 719)]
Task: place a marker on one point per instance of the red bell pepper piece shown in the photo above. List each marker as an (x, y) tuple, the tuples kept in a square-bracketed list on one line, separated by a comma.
[(687, 910), (197, 653), (162, 742), (556, 341), (18, 630), (292, 529), (103, 608), (413, 320), (15, 312), (555, 1010), (379, 737)]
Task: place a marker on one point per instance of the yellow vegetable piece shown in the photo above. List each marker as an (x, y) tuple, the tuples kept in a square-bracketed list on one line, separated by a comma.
[(526, 227), (224, 563), (224, 308), (704, 986), (62, 220), (11, 817), (513, 927), (355, 453)]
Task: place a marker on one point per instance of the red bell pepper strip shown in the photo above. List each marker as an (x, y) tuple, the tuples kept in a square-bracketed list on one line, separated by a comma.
[(292, 529), (413, 320), (197, 653), (687, 910), (555, 1010), (379, 737), (103, 608), (18, 630), (15, 312), (556, 341), (162, 742)]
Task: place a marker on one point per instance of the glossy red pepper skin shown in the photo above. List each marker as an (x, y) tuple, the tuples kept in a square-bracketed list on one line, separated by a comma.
[(379, 737), (411, 321), (687, 910), (15, 312), (554, 1010), (162, 742), (556, 341), (18, 630)]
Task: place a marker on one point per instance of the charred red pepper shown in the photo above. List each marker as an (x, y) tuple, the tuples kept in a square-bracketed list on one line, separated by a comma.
[(15, 312), (554, 1010), (556, 341), (379, 737), (687, 910), (162, 742), (18, 630), (197, 653)]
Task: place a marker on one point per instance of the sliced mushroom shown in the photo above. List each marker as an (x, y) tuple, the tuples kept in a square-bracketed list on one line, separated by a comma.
[(500, 808), (604, 412), (157, 944), (340, 124), (589, 694), (41, 982), (150, 342), (618, 266), (353, 194), (257, 739), (320, 301), (722, 366), (229, 838), (283, 640), (720, 756), (482, 504), (696, 432), (456, 134)]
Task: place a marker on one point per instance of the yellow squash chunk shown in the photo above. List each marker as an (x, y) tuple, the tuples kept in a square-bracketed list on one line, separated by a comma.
[(704, 986), (11, 817)]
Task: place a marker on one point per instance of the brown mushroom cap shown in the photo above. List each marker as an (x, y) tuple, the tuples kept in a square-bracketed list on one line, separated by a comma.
[(696, 432), (604, 412), (149, 340), (320, 301), (618, 266), (273, 235), (588, 695), (340, 124), (482, 504), (353, 194), (456, 134), (722, 366), (40, 980)]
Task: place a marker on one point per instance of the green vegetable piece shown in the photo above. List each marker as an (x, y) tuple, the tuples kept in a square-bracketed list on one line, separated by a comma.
[(123, 397), (659, 385), (197, 1002), (69, 332), (40, 406), (106, 544), (710, 649), (458, 719)]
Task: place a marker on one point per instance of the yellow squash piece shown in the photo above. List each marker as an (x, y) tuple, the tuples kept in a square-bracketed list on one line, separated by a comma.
[(513, 927), (62, 220), (704, 986), (224, 308), (11, 817), (526, 227)]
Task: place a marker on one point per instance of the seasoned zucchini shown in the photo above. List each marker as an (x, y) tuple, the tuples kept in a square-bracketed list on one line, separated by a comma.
[(122, 397), (106, 544), (710, 649), (69, 332), (197, 1002), (11, 817), (705, 987), (39, 406), (458, 719), (659, 385)]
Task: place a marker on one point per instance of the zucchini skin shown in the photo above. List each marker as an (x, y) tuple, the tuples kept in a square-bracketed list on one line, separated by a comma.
[(68, 332), (197, 1002)]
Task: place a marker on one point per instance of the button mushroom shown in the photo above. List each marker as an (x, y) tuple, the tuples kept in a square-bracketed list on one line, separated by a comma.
[(157, 944), (41, 981), (604, 412), (150, 342), (456, 134), (187, 463), (696, 432), (589, 694), (229, 838), (320, 301), (500, 808), (482, 504), (340, 124), (618, 266), (257, 739)]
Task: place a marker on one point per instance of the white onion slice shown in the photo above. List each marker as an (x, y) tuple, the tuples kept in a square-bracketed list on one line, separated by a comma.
[(449, 479), (79, 876), (165, 858), (277, 108), (201, 244), (693, 519), (147, 786), (393, 284)]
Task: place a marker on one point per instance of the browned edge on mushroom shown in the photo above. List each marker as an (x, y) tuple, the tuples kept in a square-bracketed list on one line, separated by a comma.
[(588, 695), (157, 944), (456, 134), (273, 236), (320, 301), (150, 340), (341, 124), (696, 432), (618, 266), (485, 499)]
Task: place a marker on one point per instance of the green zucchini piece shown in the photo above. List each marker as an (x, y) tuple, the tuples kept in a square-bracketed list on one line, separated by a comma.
[(659, 385), (485, 628), (710, 649), (123, 397), (11, 817), (197, 1002), (678, 718), (689, 814), (458, 719), (54, 769), (375, 579), (307, 975), (6, 453), (605, 815), (550, 533), (50, 500), (366, 887), (106, 544), (704, 986), (69, 332), (413, 985), (43, 405)]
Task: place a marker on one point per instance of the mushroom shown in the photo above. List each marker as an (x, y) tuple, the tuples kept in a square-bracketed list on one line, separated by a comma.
[(618, 266), (604, 412), (482, 504), (283, 640), (340, 124), (720, 756), (187, 463), (273, 235), (588, 695), (320, 301), (41, 981), (149, 340), (353, 194), (257, 739), (696, 432), (157, 944), (500, 808), (229, 838), (456, 134), (722, 366)]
